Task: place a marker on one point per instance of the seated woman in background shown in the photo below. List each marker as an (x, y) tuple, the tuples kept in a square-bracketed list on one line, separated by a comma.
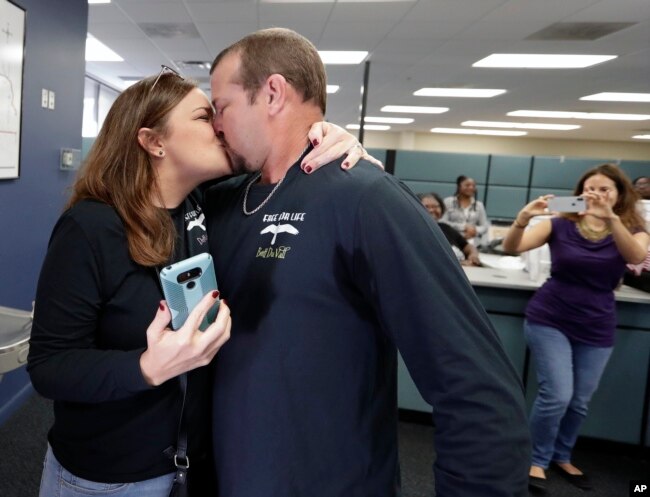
[(466, 214), (465, 251), (571, 320), (642, 187)]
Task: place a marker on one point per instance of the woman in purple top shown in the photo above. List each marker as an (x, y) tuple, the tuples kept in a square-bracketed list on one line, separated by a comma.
[(571, 319)]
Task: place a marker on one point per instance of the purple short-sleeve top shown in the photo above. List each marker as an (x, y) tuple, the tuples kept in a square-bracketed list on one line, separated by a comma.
[(578, 298)]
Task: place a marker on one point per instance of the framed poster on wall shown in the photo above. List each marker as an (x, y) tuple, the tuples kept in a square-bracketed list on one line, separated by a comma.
[(12, 55)]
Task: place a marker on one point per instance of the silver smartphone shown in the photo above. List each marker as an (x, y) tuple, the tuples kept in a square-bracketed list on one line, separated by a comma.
[(184, 284), (567, 204)]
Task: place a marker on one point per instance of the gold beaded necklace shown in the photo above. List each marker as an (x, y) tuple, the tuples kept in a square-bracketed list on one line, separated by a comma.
[(590, 233)]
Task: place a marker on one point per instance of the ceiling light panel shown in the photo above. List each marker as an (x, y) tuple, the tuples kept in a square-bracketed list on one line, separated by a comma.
[(332, 88), (96, 51), (369, 127), (467, 131), (98, 1), (579, 115), (414, 109), (609, 96), (642, 137), (502, 124), (458, 92), (542, 61), (389, 120)]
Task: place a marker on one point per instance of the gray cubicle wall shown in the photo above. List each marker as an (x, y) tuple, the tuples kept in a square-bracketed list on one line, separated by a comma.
[(558, 175), (507, 190), (436, 172), (505, 183), (378, 153)]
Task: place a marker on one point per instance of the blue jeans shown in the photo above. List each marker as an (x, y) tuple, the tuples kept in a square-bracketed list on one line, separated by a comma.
[(59, 482), (568, 374)]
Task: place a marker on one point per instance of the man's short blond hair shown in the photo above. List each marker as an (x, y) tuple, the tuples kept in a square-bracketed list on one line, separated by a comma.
[(279, 51)]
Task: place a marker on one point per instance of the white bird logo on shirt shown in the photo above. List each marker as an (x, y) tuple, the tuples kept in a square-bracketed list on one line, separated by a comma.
[(197, 222), (279, 228)]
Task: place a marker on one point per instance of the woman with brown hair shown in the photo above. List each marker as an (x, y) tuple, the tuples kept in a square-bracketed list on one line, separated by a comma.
[(571, 320), (100, 346)]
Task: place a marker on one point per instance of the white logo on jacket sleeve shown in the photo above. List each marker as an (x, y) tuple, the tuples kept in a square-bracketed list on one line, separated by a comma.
[(279, 228), (197, 222)]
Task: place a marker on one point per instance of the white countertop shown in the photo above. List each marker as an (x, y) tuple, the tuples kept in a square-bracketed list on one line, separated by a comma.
[(517, 279)]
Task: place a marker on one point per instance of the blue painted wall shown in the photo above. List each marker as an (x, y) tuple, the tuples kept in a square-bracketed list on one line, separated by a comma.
[(29, 206)]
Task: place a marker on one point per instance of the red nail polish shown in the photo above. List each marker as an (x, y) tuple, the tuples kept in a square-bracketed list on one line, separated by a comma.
[(215, 294), (345, 165), (308, 169), (162, 306), (315, 142)]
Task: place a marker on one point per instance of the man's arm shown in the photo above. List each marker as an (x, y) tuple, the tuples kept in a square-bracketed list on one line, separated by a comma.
[(426, 305)]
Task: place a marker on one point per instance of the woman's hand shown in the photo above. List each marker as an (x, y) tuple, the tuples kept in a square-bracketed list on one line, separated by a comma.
[(598, 205), (469, 231), (170, 353), (331, 142), (518, 239), (537, 207), (471, 260)]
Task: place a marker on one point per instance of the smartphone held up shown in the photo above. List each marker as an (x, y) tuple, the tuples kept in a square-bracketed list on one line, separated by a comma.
[(567, 204), (184, 284)]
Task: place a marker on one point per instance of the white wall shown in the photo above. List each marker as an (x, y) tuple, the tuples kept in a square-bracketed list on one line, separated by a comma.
[(507, 146)]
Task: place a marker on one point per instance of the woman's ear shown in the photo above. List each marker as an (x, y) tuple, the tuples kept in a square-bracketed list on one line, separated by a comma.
[(151, 143)]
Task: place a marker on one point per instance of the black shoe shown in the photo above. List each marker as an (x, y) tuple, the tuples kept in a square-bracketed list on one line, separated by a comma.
[(537, 484), (581, 481)]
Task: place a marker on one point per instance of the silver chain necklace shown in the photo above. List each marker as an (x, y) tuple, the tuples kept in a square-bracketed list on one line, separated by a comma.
[(268, 197)]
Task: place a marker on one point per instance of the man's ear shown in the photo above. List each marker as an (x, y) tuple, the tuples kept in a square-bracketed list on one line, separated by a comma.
[(151, 143), (275, 93)]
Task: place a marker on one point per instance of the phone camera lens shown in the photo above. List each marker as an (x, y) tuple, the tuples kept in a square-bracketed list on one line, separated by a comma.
[(191, 285)]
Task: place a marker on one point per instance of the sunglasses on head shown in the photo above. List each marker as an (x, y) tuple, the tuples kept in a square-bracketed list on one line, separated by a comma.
[(163, 70)]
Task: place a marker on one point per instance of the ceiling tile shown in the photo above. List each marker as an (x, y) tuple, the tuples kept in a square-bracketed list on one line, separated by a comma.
[(171, 11), (109, 30), (614, 11)]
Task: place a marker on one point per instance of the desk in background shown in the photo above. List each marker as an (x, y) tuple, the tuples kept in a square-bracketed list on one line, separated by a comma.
[(619, 409)]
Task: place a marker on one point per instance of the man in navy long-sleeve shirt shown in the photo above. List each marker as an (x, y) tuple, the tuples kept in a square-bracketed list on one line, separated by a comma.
[(327, 275)]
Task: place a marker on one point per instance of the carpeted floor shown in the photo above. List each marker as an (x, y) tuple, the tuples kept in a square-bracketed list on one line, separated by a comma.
[(610, 473), (23, 443)]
